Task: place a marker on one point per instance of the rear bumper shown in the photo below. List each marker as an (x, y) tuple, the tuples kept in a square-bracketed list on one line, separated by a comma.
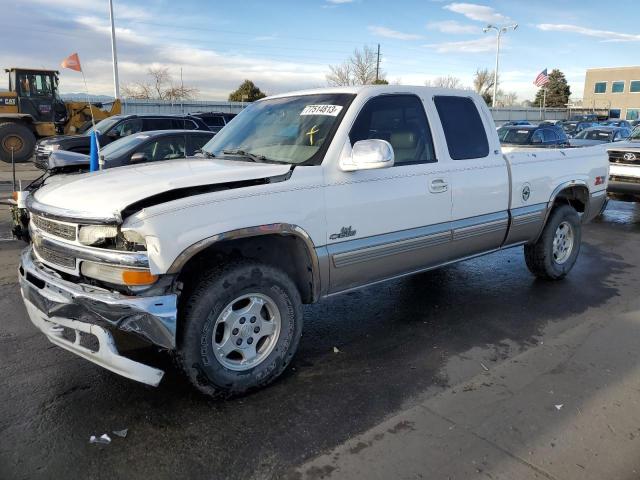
[(55, 304)]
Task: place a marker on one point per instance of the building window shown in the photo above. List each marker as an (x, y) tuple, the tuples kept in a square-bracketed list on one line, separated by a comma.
[(600, 87), (634, 86), (614, 113), (633, 113), (617, 87)]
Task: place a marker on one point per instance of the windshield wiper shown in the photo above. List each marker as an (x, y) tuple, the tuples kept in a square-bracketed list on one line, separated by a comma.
[(243, 153), (207, 154)]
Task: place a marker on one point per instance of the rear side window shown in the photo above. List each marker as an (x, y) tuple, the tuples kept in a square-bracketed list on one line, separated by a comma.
[(196, 142), (214, 121), (157, 124), (401, 121), (183, 124), (463, 127)]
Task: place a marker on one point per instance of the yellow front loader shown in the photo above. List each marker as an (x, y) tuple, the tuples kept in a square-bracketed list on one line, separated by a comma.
[(32, 109)]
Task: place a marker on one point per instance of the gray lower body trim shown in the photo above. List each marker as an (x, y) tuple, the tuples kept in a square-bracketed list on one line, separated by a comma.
[(526, 223)]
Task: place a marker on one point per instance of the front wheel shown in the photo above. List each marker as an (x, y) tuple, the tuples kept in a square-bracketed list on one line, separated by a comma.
[(553, 255), (240, 328)]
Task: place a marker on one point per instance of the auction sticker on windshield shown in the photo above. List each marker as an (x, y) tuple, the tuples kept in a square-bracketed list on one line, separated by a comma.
[(330, 110)]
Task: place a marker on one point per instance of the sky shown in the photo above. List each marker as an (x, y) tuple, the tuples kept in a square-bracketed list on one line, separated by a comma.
[(288, 45)]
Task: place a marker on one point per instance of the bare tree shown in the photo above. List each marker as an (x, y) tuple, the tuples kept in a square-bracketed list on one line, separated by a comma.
[(358, 69), (483, 83), (507, 99), (448, 81), (160, 87)]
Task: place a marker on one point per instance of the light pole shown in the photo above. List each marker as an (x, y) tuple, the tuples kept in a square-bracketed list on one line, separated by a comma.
[(499, 31), (114, 54)]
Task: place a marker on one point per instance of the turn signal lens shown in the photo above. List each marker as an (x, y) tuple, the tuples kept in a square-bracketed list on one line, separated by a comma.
[(138, 277), (118, 275)]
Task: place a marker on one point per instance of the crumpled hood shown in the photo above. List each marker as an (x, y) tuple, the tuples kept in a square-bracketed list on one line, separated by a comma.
[(63, 158), (66, 141), (103, 195)]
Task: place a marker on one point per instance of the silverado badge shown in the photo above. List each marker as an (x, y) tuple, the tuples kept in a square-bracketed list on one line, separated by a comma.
[(344, 233)]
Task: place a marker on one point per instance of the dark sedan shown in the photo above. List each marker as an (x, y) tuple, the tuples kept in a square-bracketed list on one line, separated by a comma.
[(137, 148), (113, 128), (572, 128), (532, 136), (598, 135)]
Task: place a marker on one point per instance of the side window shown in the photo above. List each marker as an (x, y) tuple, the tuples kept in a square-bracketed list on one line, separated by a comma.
[(401, 121), (214, 121), (537, 137), (157, 124), (165, 148), (128, 127), (196, 142), (463, 128), (549, 135), (183, 124)]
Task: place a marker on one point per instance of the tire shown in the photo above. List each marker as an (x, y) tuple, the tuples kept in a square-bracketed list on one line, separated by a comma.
[(233, 293), (18, 136), (565, 228)]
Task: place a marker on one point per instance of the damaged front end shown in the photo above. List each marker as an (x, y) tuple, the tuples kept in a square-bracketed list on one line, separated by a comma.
[(83, 289)]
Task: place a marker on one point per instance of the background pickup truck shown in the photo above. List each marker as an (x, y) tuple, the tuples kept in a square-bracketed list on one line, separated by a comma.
[(305, 195), (624, 157)]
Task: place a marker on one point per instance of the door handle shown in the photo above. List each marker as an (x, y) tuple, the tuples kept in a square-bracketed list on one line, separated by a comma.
[(439, 185)]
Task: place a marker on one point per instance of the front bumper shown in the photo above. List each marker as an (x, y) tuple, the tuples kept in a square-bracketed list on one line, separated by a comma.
[(624, 179), (55, 304)]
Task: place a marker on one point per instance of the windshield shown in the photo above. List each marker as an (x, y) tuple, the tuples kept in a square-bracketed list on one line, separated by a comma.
[(103, 125), (602, 135), (117, 148), (288, 130), (515, 136)]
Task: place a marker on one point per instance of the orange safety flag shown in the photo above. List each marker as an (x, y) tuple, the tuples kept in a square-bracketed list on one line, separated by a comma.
[(72, 62)]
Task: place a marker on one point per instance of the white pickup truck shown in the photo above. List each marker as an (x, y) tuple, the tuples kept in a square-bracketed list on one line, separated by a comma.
[(302, 196)]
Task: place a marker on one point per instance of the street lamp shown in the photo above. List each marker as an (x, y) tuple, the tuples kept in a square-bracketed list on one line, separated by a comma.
[(499, 31)]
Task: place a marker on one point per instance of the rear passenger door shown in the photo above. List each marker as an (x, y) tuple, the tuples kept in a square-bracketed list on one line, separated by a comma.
[(480, 180), (387, 222)]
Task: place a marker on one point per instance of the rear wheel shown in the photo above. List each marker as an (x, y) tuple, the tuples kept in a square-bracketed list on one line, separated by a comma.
[(552, 257), (16, 138), (241, 326)]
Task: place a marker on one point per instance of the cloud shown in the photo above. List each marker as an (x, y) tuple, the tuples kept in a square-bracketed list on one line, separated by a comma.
[(388, 33), (590, 32), (482, 44), (479, 13), (451, 26)]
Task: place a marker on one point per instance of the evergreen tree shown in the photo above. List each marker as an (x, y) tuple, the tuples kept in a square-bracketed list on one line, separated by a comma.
[(558, 91), (246, 92)]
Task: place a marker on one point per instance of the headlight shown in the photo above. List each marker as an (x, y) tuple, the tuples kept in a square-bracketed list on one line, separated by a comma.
[(50, 148), (118, 275), (95, 234)]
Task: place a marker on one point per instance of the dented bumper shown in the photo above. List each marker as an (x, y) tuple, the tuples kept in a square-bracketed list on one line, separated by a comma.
[(57, 307)]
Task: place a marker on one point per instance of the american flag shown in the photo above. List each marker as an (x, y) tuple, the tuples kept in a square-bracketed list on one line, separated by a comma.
[(542, 79)]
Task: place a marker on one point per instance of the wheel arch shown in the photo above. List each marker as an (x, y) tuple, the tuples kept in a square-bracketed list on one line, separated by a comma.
[(282, 245), (574, 193)]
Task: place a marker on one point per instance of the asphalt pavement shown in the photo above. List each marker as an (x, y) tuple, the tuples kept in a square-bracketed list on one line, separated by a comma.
[(476, 370)]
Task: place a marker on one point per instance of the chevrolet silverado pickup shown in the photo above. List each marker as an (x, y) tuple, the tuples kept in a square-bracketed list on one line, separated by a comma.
[(304, 196)]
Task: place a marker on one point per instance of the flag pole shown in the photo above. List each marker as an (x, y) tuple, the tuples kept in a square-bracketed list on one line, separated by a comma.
[(93, 120)]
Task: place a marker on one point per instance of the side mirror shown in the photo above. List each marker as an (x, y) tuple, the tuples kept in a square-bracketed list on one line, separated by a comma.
[(368, 155), (139, 157)]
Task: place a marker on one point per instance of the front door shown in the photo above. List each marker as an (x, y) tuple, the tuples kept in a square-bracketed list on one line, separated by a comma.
[(387, 222)]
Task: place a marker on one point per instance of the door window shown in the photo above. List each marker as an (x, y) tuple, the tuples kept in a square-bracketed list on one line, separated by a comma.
[(183, 124), (463, 128), (195, 143), (549, 136), (157, 124), (128, 127), (401, 121), (165, 148)]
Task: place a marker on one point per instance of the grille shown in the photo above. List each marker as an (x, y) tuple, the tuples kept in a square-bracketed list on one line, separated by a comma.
[(51, 256), (618, 157), (61, 230), (618, 178)]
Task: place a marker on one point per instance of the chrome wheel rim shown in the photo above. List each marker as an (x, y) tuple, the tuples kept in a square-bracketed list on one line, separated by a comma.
[(563, 242), (246, 331)]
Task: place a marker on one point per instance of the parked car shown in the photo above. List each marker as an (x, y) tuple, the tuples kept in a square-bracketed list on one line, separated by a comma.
[(304, 196), (551, 123), (597, 135), (133, 149), (616, 123), (589, 117), (215, 120), (572, 128), (113, 128), (532, 136), (624, 171), (634, 123)]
